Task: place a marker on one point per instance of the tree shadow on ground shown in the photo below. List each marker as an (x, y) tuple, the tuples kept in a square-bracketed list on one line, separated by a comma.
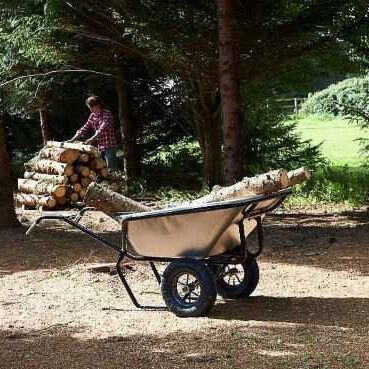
[(342, 312), (336, 242)]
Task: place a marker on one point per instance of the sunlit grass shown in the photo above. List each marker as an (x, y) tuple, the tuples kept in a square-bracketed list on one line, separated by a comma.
[(338, 137)]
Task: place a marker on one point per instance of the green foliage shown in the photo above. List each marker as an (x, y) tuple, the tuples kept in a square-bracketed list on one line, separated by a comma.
[(178, 164), (342, 98), (272, 141), (335, 184)]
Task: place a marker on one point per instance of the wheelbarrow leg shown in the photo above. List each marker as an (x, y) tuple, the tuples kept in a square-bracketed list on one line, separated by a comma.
[(156, 273), (128, 288)]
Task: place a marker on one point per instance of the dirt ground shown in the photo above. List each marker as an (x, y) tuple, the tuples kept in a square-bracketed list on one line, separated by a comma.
[(310, 310)]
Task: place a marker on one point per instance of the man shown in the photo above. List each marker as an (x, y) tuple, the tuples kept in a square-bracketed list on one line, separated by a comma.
[(100, 122)]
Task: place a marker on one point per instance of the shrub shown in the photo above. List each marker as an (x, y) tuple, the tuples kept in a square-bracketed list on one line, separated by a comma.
[(336, 184), (177, 164), (340, 98)]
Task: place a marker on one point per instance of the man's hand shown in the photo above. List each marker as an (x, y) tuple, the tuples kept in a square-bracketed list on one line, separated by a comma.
[(89, 141)]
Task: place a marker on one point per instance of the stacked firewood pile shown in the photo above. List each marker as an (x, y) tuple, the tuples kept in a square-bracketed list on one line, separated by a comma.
[(60, 174)]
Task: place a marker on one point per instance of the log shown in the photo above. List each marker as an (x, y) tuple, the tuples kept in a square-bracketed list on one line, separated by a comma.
[(82, 193), (62, 201), (51, 178), (104, 172), (298, 176), (80, 146), (74, 178), (85, 181), (82, 170), (263, 183), (108, 201), (92, 175), (49, 167), (77, 187), (39, 188), (98, 164), (73, 196), (34, 200), (111, 202), (83, 158), (62, 155)]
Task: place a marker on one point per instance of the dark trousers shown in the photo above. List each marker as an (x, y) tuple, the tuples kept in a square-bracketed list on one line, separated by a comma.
[(110, 156)]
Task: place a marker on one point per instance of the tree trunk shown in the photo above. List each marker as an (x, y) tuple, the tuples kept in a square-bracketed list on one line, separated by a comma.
[(212, 148), (202, 106), (8, 218), (128, 129), (44, 125), (229, 91)]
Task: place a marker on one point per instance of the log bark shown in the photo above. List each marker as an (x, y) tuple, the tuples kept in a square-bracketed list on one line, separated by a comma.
[(40, 188), (89, 149), (34, 200), (263, 183), (62, 155), (51, 178), (298, 176), (48, 167), (108, 201)]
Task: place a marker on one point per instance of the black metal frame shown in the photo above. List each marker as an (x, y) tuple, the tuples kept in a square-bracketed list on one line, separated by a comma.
[(250, 212)]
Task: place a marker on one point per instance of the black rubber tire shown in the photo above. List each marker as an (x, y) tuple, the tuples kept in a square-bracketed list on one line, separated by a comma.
[(243, 289), (206, 282)]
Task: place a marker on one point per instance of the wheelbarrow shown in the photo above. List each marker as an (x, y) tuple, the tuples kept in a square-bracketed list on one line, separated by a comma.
[(204, 247)]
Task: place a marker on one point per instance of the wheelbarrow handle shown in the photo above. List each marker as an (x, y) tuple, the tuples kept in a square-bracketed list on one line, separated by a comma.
[(31, 228)]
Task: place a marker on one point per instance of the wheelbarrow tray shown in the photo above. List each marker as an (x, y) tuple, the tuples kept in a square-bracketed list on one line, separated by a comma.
[(199, 231)]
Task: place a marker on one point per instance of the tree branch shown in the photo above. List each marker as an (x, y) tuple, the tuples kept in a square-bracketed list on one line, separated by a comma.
[(3, 84)]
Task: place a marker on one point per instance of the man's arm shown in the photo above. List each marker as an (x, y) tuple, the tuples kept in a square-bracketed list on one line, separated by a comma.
[(83, 130)]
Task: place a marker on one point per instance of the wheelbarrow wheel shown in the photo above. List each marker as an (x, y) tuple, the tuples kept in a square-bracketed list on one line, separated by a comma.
[(235, 281), (188, 287)]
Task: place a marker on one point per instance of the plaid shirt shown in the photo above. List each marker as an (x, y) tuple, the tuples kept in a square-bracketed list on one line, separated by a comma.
[(102, 124)]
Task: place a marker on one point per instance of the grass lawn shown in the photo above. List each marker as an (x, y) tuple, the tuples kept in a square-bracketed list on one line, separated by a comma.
[(338, 137)]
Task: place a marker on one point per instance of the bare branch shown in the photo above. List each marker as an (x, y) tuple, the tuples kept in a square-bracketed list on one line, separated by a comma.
[(55, 72)]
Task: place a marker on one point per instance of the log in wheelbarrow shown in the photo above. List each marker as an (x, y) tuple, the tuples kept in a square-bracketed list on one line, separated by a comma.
[(204, 245)]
